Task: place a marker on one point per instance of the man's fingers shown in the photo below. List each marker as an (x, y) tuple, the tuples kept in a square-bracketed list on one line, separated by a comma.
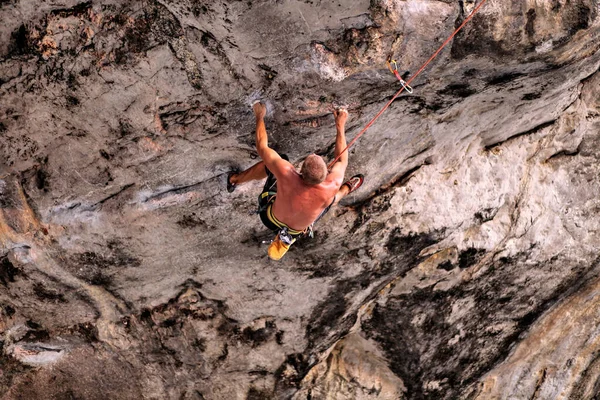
[(339, 110), (339, 114)]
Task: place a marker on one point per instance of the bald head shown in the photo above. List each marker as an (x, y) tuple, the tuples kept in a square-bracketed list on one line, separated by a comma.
[(314, 170)]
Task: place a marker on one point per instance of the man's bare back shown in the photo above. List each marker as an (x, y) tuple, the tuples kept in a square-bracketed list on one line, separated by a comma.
[(298, 204)]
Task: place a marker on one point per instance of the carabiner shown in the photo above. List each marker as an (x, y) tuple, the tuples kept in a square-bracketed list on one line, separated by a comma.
[(393, 67), (406, 86)]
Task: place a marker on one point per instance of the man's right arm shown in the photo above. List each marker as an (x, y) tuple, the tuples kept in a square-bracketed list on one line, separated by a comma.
[(273, 161), (339, 168)]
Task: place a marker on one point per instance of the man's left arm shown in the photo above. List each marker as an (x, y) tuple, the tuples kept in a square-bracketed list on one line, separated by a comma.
[(273, 161), (338, 170)]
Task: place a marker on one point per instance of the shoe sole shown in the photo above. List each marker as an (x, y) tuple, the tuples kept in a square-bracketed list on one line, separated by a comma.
[(231, 186), (362, 180)]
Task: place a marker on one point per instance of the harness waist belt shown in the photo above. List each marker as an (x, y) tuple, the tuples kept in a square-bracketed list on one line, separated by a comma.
[(280, 224)]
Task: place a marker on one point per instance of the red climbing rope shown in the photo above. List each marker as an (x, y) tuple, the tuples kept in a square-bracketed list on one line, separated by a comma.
[(406, 84)]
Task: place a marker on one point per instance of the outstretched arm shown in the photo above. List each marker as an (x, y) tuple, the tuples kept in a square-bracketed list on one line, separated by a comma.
[(339, 168), (273, 161)]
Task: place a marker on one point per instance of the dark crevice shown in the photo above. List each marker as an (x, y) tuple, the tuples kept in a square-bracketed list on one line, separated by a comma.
[(50, 295), (21, 42), (424, 150), (462, 90), (258, 394), (311, 122), (104, 200), (533, 130), (397, 182), (531, 96), (530, 26), (564, 153), (504, 78), (8, 271), (75, 11), (470, 257), (178, 190), (446, 266), (578, 18), (486, 215), (539, 384)]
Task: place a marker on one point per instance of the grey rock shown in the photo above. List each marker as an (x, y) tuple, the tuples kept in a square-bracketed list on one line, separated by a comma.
[(465, 267)]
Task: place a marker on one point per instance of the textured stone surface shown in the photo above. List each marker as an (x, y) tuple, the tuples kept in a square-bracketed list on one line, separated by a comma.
[(465, 267)]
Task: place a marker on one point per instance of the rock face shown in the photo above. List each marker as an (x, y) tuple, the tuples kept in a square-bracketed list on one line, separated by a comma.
[(465, 267)]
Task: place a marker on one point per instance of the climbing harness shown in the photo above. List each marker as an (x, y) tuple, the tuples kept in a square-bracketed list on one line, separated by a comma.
[(393, 67), (285, 236), (405, 85), (280, 245), (263, 207)]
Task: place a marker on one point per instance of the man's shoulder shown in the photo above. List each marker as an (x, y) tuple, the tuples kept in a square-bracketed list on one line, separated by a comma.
[(287, 170), (326, 190), (280, 168), (334, 180)]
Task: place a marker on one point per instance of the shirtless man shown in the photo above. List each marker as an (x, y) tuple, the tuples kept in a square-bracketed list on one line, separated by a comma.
[(290, 201)]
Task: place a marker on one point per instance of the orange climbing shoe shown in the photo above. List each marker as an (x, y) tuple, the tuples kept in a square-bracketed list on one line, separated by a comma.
[(355, 182), (280, 245)]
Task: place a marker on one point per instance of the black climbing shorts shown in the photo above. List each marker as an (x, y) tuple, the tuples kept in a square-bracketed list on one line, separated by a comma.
[(267, 197)]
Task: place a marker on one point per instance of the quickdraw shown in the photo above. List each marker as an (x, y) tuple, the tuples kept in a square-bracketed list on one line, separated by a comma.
[(393, 67)]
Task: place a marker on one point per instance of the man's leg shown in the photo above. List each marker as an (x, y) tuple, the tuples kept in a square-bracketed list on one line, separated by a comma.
[(257, 171), (344, 190), (348, 187)]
